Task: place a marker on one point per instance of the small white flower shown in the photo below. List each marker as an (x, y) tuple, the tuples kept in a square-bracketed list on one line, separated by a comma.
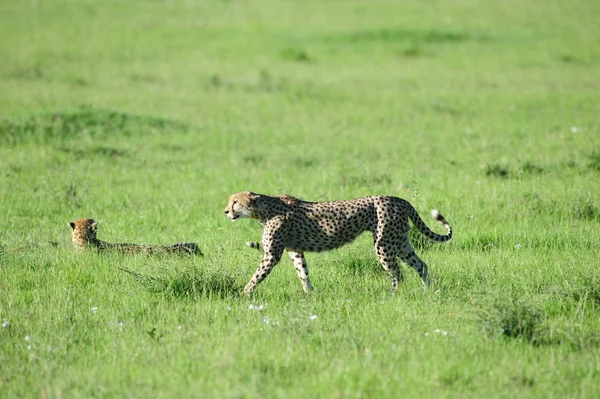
[(27, 338), (266, 320), (29, 347), (257, 307), (94, 309), (313, 317), (5, 323), (228, 307), (179, 327), (121, 323), (518, 246), (437, 331), (426, 334), (444, 333), (574, 129), (437, 291)]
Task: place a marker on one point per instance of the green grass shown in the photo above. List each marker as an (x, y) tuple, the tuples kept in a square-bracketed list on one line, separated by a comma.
[(146, 115)]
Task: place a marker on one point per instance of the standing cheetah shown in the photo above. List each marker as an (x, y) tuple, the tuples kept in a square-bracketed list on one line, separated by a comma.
[(300, 226), (84, 235)]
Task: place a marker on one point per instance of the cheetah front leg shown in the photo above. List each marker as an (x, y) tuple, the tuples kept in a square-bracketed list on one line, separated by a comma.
[(302, 269), (266, 266), (273, 244)]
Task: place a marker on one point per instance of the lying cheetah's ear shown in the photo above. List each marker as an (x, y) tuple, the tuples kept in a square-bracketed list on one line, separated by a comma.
[(72, 224), (95, 226)]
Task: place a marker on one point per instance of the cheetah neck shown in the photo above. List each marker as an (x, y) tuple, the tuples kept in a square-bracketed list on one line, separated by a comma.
[(89, 242), (268, 207), (93, 243)]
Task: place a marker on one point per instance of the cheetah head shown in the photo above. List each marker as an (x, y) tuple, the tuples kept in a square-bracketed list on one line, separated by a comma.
[(84, 232), (242, 205)]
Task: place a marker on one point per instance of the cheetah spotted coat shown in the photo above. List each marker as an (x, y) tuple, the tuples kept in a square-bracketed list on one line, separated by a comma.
[(84, 236), (300, 226)]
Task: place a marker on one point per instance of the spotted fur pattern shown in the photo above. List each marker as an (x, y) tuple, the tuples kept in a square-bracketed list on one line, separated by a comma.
[(84, 236), (300, 226)]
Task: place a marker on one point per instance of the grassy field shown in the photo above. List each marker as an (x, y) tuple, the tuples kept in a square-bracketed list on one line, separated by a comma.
[(146, 115)]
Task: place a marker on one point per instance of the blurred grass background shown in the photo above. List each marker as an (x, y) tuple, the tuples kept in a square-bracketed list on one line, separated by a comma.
[(146, 115)]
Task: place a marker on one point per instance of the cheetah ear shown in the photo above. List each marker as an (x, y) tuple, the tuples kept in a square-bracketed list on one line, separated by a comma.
[(95, 226), (252, 197), (72, 224)]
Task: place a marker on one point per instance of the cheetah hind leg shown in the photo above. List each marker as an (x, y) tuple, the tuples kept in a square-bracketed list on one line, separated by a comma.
[(409, 257), (387, 258)]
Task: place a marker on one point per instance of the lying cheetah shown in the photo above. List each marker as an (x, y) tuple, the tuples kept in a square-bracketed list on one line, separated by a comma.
[(84, 235), (300, 226)]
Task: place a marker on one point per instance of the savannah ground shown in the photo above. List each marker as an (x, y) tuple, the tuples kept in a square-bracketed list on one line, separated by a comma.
[(146, 115)]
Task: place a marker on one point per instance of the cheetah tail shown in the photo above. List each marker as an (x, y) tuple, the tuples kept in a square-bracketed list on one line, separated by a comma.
[(419, 224), (254, 245)]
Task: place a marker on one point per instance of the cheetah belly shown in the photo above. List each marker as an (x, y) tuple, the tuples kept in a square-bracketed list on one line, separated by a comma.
[(324, 233)]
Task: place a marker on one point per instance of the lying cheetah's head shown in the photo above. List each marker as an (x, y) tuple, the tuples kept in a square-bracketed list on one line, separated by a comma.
[(84, 232), (242, 205)]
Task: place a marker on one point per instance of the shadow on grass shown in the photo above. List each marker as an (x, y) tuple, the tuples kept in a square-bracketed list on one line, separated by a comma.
[(586, 292), (525, 320), (481, 242), (594, 161), (189, 284), (296, 54), (582, 208), (84, 122), (586, 209), (497, 170), (394, 35), (367, 181), (109, 152), (528, 168), (360, 266), (513, 318)]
